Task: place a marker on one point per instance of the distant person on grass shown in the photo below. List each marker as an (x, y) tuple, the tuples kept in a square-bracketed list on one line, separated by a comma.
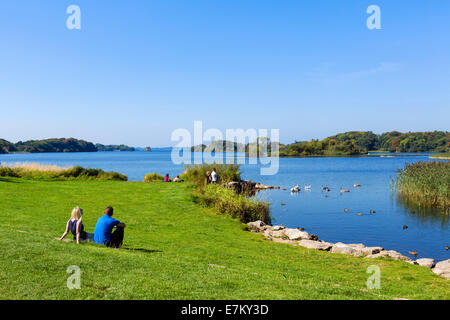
[(166, 178), (104, 227), (177, 179), (214, 176), (208, 177), (75, 225)]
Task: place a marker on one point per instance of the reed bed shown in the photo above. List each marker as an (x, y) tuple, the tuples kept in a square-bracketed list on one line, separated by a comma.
[(42, 171), (34, 166), (220, 197), (425, 183)]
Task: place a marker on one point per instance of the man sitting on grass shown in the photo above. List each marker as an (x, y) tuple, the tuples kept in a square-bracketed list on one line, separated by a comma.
[(104, 227)]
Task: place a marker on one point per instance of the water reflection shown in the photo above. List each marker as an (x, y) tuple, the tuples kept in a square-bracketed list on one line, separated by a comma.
[(423, 213)]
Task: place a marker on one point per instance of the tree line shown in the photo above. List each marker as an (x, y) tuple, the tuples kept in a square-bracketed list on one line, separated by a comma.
[(361, 142), (57, 145)]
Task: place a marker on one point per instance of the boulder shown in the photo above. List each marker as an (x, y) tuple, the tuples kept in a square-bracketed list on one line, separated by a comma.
[(295, 234), (257, 225), (442, 269), (313, 237), (317, 245), (353, 250), (277, 228), (390, 254), (425, 262), (372, 250), (260, 186), (273, 234)]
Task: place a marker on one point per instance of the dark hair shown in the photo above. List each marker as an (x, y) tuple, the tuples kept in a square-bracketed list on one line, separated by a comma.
[(167, 174), (109, 211)]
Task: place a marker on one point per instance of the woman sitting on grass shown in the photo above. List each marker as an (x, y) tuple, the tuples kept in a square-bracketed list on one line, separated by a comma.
[(75, 225)]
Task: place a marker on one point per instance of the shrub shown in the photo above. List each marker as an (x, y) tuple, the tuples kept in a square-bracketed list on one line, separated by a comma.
[(196, 174), (153, 177)]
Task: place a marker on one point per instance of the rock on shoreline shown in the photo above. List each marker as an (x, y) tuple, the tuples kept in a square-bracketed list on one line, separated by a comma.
[(246, 186), (302, 238)]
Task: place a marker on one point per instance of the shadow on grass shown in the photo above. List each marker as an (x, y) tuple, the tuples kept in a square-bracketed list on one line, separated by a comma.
[(3, 179), (141, 250)]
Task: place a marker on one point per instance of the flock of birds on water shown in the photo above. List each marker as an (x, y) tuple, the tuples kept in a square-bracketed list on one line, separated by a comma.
[(297, 188), (326, 189)]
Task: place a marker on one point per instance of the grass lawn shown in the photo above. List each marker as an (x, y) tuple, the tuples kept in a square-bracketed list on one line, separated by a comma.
[(190, 252)]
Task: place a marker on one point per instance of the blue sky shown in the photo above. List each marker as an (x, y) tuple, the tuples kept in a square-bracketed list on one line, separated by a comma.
[(137, 70)]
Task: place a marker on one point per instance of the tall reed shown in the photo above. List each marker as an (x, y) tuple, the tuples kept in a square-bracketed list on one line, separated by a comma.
[(425, 183), (40, 171)]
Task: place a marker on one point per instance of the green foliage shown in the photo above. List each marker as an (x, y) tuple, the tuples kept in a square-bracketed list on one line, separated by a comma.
[(227, 201), (9, 172), (153, 177), (55, 145), (425, 183), (6, 146), (113, 147), (325, 147), (358, 142), (436, 141), (75, 173), (196, 174), (366, 140)]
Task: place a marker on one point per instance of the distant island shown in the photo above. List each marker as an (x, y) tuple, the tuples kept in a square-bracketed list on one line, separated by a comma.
[(351, 143), (361, 142), (113, 147), (57, 145)]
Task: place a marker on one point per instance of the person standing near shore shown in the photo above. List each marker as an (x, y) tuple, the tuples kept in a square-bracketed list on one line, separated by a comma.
[(208, 177), (214, 176)]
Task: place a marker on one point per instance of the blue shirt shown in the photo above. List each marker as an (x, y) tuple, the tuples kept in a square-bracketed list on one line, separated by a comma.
[(103, 229)]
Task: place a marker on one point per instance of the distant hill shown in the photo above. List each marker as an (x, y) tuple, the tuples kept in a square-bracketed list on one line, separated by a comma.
[(113, 147), (394, 141), (219, 145), (58, 145), (54, 145), (361, 142)]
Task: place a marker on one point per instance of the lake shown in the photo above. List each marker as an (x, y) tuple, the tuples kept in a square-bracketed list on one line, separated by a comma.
[(427, 233)]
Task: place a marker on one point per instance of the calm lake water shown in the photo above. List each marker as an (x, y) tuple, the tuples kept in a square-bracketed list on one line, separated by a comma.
[(428, 230)]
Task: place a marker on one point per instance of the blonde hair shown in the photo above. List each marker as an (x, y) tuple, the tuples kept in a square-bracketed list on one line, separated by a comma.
[(77, 213)]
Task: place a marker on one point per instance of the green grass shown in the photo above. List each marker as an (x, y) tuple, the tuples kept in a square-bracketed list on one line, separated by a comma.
[(441, 156), (185, 238)]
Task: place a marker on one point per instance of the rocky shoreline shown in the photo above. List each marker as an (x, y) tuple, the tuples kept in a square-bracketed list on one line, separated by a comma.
[(299, 237), (248, 187)]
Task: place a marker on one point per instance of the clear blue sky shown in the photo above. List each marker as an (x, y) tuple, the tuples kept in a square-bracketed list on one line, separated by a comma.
[(137, 70)]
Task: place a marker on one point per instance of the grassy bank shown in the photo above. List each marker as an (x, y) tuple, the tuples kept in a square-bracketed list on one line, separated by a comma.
[(39, 171), (221, 198), (174, 249), (425, 183), (445, 156)]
